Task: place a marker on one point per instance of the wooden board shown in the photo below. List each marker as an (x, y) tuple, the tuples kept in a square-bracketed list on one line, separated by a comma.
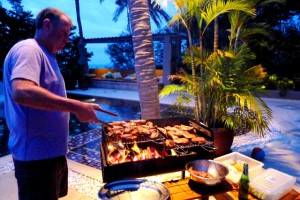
[(188, 189)]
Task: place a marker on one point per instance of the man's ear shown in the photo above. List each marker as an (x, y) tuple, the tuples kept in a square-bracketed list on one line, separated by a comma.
[(47, 23)]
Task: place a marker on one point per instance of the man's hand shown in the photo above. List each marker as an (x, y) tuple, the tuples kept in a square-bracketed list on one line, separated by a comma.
[(87, 112)]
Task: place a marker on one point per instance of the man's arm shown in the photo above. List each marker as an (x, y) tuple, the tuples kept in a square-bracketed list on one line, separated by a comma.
[(28, 93)]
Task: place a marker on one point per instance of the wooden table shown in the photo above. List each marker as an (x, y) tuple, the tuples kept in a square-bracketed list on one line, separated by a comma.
[(186, 189)]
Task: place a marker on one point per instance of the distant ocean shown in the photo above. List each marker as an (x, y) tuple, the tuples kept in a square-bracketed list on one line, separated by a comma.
[(95, 66)]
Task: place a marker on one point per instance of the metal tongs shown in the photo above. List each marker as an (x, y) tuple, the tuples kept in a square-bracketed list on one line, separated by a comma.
[(109, 113)]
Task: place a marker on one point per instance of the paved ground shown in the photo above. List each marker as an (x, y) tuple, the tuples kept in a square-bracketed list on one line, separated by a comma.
[(281, 146), (282, 151), (84, 181)]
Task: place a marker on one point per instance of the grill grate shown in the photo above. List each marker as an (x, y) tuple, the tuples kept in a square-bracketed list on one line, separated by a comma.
[(208, 146), (140, 139), (172, 159)]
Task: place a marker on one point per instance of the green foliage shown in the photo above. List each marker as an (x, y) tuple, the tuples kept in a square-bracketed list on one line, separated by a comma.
[(122, 57), (230, 83), (227, 80), (280, 53), (179, 109), (68, 61), (282, 84), (15, 25)]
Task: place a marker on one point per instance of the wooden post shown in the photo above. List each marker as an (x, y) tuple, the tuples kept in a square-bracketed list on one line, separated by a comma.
[(167, 60)]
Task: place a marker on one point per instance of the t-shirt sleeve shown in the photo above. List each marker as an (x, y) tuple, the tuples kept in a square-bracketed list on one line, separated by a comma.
[(27, 64)]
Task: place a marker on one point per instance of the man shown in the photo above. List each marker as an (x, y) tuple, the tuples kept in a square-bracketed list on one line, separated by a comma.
[(37, 110)]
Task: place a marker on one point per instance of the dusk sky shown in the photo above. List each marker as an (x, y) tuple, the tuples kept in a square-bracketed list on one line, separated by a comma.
[(96, 20)]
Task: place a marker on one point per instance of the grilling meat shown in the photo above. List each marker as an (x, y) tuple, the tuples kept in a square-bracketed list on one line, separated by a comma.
[(132, 130), (144, 131), (115, 131), (141, 129), (129, 130), (181, 140), (172, 134), (188, 135), (138, 122), (181, 135), (186, 128), (164, 131), (199, 140), (118, 123), (170, 143), (128, 137), (175, 131), (150, 124), (154, 133)]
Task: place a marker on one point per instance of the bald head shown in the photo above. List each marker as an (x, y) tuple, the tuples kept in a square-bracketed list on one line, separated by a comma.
[(52, 14)]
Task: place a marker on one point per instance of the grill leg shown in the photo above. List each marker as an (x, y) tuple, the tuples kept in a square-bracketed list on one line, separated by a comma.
[(183, 174)]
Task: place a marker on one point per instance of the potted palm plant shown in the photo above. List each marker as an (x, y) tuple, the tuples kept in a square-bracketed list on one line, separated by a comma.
[(225, 91)]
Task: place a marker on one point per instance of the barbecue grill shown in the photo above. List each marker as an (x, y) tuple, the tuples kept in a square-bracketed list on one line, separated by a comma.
[(169, 159)]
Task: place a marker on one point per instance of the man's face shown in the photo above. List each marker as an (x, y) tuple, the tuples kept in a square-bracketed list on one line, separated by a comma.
[(59, 34)]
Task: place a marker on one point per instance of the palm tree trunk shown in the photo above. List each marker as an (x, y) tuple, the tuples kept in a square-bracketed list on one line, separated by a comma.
[(82, 60), (216, 32), (144, 59), (193, 66), (78, 18), (203, 112)]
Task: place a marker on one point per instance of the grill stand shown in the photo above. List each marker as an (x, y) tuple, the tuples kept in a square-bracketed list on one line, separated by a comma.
[(155, 166)]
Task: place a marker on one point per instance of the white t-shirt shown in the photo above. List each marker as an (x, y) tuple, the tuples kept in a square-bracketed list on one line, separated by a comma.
[(34, 134)]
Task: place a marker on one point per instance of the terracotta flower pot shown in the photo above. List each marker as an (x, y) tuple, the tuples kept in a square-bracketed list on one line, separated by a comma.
[(223, 139)]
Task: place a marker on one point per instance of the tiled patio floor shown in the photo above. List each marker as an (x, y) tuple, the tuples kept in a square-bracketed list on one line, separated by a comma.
[(85, 148)]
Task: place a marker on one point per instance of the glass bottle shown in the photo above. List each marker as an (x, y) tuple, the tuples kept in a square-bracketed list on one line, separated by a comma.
[(244, 183)]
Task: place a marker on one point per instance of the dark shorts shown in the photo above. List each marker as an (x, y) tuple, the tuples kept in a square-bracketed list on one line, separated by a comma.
[(43, 179)]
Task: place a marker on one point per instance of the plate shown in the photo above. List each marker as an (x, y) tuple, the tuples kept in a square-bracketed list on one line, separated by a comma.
[(134, 189)]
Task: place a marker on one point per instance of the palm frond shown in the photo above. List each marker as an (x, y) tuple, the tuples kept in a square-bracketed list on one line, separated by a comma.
[(213, 10), (255, 74), (198, 56), (258, 29), (118, 12), (171, 89)]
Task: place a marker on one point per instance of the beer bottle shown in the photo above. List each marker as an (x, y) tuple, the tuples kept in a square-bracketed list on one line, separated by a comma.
[(244, 183)]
